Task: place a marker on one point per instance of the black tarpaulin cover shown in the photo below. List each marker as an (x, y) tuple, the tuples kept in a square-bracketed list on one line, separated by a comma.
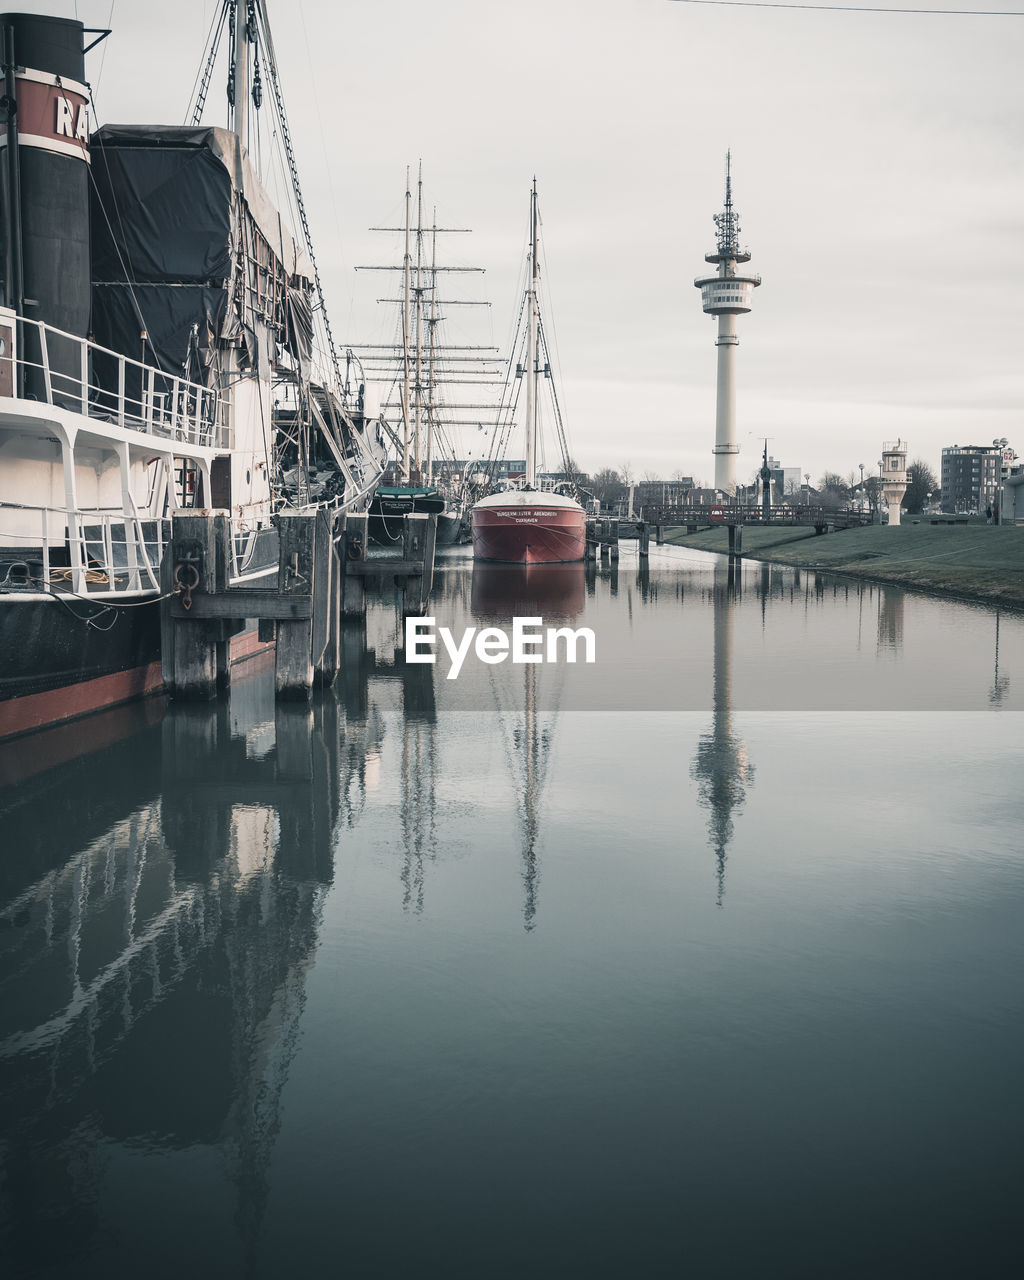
[(165, 235)]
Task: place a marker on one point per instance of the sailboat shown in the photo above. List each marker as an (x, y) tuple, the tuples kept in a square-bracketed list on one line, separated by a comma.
[(419, 368), (524, 524), (164, 345)]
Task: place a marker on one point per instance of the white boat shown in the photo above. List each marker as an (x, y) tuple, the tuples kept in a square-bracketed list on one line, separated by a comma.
[(175, 356)]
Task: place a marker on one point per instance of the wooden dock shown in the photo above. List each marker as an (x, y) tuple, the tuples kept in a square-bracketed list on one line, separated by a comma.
[(321, 581)]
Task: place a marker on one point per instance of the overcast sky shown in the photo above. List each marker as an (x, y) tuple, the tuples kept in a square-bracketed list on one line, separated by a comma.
[(877, 169)]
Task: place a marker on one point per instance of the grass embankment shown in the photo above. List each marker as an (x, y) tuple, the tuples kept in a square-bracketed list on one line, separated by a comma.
[(976, 561)]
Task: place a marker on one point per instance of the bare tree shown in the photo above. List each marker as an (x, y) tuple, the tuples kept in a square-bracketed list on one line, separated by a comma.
[(833, 490), (607, 486)]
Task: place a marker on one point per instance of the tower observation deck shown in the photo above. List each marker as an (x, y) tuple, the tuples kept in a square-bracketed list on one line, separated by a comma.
[(727, 294)]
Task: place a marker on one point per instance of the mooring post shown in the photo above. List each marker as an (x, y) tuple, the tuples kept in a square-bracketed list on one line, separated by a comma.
[(659, 536), (296, 576), (735, 539), (324, 641), (644, 536), (613, 533), (419, 533), (429, 552), (197, 567), (354, 541), (590, 542)]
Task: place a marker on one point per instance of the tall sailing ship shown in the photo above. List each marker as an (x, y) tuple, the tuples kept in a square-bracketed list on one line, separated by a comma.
[(525, 524), (419, 372), (164, 346)]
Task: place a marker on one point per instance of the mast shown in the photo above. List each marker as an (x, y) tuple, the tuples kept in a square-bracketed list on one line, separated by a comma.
[(419, 322), (239, 121), (432, 335), (406, 265), (531, 348)]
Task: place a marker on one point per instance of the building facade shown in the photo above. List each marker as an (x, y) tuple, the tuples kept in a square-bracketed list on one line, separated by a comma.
[(970, 478)]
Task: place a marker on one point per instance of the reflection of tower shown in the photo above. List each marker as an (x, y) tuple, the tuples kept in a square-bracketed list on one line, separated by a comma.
[(894, 477), (721, 768), (727, 295), (890, 619)]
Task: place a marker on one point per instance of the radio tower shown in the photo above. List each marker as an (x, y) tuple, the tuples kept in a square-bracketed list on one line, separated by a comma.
[(727, 295)]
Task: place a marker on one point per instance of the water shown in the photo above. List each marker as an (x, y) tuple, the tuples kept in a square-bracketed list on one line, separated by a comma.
[(702, 960)]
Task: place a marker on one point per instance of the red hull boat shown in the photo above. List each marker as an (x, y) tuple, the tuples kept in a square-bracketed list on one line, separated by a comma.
[(527, 527)]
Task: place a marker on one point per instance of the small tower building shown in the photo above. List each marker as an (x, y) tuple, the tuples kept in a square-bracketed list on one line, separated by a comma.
[(727, 294), (894, 477)]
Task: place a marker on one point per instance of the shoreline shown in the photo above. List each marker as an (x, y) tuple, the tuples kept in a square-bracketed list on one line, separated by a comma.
[(976, 564)]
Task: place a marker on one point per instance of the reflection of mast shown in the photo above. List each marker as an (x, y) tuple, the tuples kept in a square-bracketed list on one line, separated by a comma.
[(721, 768), (419, 779), (178, 943), (504, 591), (534, 744)]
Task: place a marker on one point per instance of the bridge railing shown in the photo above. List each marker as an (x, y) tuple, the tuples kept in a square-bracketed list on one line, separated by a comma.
[(726, 514)]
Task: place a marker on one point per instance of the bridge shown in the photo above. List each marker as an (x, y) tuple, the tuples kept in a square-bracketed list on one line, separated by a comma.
[(604, 533), (694, 519)]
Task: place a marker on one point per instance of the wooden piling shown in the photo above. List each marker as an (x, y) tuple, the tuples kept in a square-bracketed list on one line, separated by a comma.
[(197, 569), (326, 604), (644, 539), (293, 664), (419, 540), (354, 543)]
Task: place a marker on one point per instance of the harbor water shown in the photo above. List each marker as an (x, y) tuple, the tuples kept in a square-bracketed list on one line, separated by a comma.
[(703, 959)]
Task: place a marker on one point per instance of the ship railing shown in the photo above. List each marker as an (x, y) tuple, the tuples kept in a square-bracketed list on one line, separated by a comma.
[(61, 369), (108, 552)]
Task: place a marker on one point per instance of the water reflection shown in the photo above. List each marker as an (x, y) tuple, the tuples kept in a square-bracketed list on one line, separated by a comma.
[(175, 877), (890, 619), (153, 980), (1000, 683), (554, 592), (721, 767)]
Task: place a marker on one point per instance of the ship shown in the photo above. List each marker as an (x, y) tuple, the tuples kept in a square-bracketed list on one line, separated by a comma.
[(419, 370), (164, 346), (527, 524)]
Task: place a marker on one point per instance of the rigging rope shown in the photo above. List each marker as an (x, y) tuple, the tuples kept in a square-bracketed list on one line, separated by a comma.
[(286, 137), (213, 44)]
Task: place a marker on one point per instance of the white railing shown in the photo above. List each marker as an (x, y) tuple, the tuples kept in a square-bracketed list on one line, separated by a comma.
[(109, 552), (136, 395)]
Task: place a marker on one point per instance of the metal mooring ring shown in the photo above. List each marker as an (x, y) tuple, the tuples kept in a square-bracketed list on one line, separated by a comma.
[(193, 572), (186, 588)]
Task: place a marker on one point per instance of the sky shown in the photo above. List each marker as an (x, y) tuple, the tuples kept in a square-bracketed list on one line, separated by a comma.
[(877, 170)]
